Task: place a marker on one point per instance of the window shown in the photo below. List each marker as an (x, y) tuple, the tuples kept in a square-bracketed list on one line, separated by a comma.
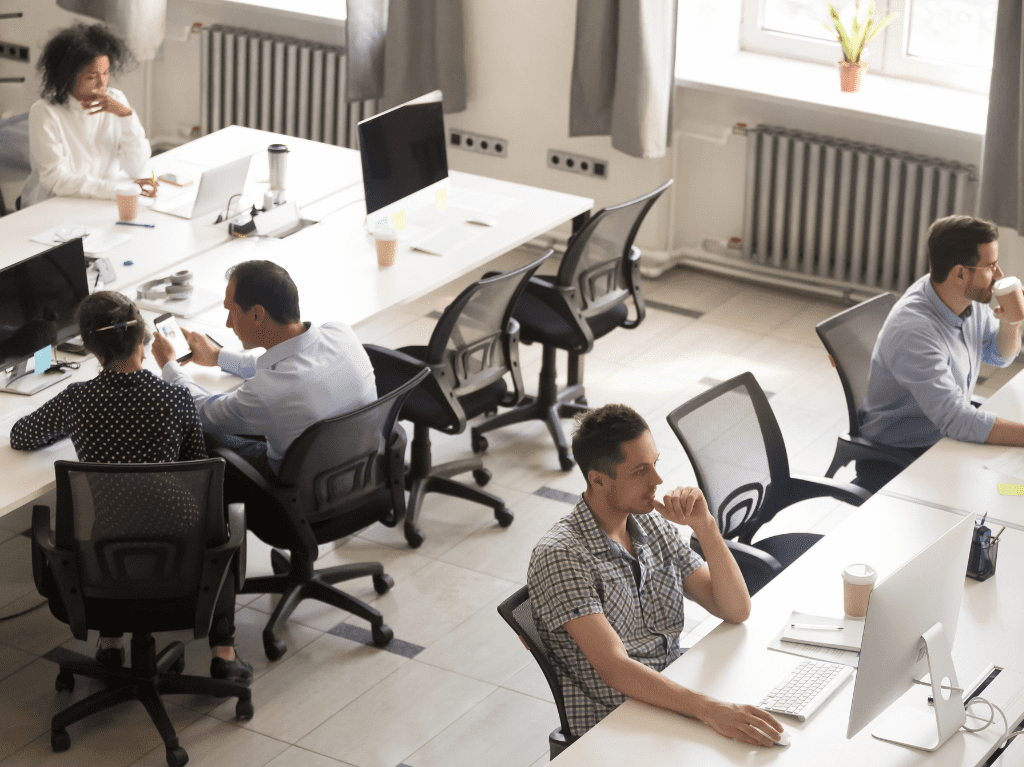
[(943, 42)]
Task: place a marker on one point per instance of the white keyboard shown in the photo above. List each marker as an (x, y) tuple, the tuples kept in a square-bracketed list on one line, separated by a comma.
[(802, 691), (444, 240)]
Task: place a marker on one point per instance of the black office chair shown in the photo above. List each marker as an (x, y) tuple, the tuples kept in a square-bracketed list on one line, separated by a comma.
[(518, 613), (338, 477), (138, 548), (586, 300), (849, 337), (15, 165), (474, 346), (735, 445)]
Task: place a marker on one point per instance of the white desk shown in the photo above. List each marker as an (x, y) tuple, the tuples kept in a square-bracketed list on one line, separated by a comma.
[(733, 663), (333, 263), (953, 475)]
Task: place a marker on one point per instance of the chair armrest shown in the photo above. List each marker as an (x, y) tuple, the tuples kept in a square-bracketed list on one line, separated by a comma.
[(513, 398), (757, 566), (63, 568), (803, 487), (217, 563), (879, 452), (635, 289), (396, 459), (563, 301), (42, 545), (246, 469)]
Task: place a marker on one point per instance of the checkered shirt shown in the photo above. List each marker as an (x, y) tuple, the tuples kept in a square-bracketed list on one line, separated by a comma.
[(576, 569)]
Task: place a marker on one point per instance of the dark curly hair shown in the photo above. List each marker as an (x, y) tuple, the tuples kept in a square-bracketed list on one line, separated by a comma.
[(598, 437), (73, 49), (97, 313)]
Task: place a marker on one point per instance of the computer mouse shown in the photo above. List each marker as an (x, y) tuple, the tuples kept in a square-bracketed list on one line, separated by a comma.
[(482, 220), (784, 740)]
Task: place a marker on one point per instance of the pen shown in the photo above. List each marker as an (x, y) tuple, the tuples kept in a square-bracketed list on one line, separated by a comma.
[(996, 536), (218, 343), (134, 223), (815, 627)]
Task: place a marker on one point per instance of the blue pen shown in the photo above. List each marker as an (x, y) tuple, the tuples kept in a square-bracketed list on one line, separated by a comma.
[(133, 223)]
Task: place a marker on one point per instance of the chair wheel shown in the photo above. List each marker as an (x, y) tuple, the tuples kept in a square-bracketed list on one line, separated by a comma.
[(60, 741), (381, 635), (178, 667), (479, 443), (244, 710), (279, 562), (274, 649), (177, 757), (504, 517), (414, 538), (383, 583), (65, 682), (482, 476), (566, 462)]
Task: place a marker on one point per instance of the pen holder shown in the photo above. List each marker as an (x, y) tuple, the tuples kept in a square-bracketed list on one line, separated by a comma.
[(981, 562)]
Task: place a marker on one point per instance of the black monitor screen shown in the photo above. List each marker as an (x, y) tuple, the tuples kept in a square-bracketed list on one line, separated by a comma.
[(38, 297), (403, 151)]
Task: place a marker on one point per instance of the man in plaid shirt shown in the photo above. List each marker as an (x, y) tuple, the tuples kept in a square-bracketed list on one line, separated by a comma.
[(607, 584)]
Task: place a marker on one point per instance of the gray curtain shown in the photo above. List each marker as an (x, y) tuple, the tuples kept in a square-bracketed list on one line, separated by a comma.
[(1002, 170), (142, 22), (623, 73), (401, 49)]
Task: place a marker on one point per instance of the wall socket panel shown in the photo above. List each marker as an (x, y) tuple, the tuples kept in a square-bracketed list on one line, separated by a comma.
[(14, 51), (474, 142), (577, 163)]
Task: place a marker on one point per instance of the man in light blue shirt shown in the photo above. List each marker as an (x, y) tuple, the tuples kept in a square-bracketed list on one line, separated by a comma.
[(926, 360)]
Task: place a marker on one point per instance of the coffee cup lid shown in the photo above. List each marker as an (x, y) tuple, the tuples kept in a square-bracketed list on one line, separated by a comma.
[(859, 574), (128, 189), (383, 231), (1005, 285)]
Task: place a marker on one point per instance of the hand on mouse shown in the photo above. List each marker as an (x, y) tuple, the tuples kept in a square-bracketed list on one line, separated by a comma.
[(745, 723)]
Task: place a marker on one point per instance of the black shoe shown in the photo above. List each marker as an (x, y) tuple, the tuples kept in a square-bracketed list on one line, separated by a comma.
[(236, 670), (111, 657)]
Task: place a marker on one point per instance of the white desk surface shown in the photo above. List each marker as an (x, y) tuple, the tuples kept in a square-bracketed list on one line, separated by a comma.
[(333, 263), (953, 474), (733, 664)]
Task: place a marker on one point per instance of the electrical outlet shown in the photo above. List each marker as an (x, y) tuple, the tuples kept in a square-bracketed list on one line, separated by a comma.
[(577, 163), (14, 51), (474, 142)]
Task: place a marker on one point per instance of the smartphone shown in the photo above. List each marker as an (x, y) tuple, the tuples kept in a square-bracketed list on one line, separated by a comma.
[(167, 324)]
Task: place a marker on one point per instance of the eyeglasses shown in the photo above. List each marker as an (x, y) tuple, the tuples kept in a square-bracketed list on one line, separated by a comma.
[(990, 267)]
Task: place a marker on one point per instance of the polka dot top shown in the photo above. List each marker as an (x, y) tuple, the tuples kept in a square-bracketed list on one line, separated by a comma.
[(118, 418)]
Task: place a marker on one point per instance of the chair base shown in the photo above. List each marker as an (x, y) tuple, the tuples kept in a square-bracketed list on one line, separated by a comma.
[(558, 741), (150, 676), (550, 406), (303, 582)]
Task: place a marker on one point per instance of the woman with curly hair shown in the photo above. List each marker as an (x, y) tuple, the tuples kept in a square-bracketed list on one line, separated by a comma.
[(84, 139)]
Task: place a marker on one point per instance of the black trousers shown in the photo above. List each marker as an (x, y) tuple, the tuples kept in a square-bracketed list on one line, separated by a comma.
[(872, 475)]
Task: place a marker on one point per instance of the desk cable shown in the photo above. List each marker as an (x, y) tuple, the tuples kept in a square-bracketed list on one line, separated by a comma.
[(1006, 737), (23, 612), (336, 210)]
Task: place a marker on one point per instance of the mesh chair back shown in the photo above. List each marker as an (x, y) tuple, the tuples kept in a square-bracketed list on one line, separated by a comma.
[(139, 531), (517, 611), (735, 445), (470, 342), (339, 463), (596, 259), (850, 338)]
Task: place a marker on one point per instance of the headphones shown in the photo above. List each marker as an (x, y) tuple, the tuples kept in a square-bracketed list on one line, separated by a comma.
[(179, 287)]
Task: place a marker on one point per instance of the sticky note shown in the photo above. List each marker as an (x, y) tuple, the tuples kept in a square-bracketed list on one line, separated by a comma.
[(441, 199), (42, 359), (398, 220), (1007, 489)]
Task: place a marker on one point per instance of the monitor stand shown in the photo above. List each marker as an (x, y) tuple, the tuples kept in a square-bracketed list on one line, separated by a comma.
[(23, 379)]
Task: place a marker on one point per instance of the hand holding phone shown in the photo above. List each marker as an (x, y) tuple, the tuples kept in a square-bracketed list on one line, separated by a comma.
[(167, 325)]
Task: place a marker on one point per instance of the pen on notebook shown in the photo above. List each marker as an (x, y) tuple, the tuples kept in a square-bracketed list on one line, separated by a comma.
[(815, 627), (135, 223)]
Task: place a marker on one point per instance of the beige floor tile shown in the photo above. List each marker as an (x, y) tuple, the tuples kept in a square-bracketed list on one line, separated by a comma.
[(505, 730), (397, 717), (800, 328), (444, 521), (15, 571), (530, 680), (12, 659), (689, 289), (294, 756), (757, 309), (308, 686), (36, 632), (211, 741), (546, 759)]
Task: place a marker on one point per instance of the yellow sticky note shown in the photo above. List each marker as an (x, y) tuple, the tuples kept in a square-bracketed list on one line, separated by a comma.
[(441, 198), (1007, 489), (398, 220)]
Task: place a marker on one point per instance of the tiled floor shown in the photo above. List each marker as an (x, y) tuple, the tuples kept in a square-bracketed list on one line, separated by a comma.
[(472, 695)]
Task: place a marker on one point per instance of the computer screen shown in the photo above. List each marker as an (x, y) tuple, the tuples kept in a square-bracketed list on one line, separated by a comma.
[(38, 298), (924, 592), (403, 151)]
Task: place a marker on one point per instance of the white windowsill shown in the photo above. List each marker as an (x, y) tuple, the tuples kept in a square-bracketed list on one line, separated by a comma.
[(320, 11), (815, 86)]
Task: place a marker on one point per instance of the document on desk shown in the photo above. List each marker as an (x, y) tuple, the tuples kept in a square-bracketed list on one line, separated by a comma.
[(816, 652), (94, 239), (1009, 462)]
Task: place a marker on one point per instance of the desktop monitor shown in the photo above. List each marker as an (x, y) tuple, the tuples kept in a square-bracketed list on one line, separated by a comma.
[(405, 163), (38, 298), (908, 632)]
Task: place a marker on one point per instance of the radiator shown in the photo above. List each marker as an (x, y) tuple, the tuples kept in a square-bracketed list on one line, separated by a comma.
[(843, 212), (278, 84)]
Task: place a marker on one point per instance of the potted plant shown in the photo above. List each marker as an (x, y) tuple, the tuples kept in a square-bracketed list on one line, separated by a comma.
[(853, 36)]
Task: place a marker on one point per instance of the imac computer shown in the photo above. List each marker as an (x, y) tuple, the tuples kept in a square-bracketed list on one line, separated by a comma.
[(38, 298), (909, 632), (405, 166)]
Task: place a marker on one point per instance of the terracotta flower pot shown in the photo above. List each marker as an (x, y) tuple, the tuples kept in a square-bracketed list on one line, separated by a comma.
[(850, 76)]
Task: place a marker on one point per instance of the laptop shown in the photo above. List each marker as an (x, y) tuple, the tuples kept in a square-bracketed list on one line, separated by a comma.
[(216, 186)]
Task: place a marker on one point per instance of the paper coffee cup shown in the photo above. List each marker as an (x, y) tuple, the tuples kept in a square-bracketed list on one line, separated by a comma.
[(858, 580), (1007, 291), (128, 201), (387, 244)]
